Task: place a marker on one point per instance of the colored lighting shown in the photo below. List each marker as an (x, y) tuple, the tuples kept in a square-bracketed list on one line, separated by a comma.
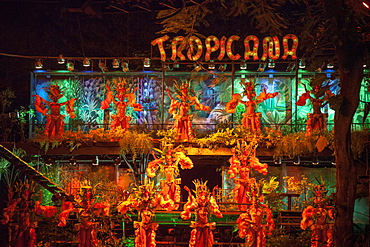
[(86, 62), (147, 62), (61, 59), (302, 64), (38, 64), (115, 63)]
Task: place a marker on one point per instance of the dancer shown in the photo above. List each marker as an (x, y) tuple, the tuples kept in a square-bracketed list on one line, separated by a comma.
[(54, 127), (180, 107), (203, 204), (122, 99), (168, 165), (251, 118)]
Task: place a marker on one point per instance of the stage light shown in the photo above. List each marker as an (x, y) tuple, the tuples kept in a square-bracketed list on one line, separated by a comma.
[(70, 66), (366, 4), (222, 67), (211, 66), (72, 161), (271, 64), (147, 62), (61, 59), (243, 66), (103, 66), (261, 67), (278, 161), (86, 62), (125, 67), (38, 64), (315, 160), (117, 161), (291, 67), (329, 66), (95, 161), (302, 63), (115, 63), (297, 160), (48, 162)]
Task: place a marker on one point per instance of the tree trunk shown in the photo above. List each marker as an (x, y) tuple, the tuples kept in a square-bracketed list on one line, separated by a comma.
[(351, 61)]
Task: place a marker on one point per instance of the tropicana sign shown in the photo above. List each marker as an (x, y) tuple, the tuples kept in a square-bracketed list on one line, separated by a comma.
[(270, 47)]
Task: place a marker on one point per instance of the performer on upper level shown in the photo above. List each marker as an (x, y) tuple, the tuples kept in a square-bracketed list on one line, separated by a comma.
[(181, 103), (316, 120), (123, 98), (251, 118), (54, 127)]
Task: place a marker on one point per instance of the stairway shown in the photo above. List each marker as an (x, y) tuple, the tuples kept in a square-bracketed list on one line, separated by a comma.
[(290, 218), (32, 173)]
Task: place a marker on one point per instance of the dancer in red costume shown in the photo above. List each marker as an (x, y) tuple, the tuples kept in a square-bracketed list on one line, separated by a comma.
[(180, 108), (319, 218), (145, 200), (316, 120), (168, 165), (256, 223), (122, 99), (203, 204), (54, 127), (241, 164), (251, 118)]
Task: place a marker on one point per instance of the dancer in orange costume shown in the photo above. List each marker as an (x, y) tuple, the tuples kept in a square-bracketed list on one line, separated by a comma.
[(317, 119), (87, 236), (319, 219), (168, 164), (241, 163), (203, 204), (54, 127), (251, 118), (256, 223), (122, 99), (180, 107), (145, 200)]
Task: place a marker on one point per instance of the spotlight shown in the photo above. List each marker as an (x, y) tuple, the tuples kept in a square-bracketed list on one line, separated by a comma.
[(302, 63), (95, 161), (297, 160), (103, 66), (333, 160), (61, 59), (243, 66), (48, 162), (291, 67), (125, 67), (72, 161), (211, 66), (117, 161), (70, 66), (329, 66), (222, 67), (147, 62), (86, 62), (38, 64), (115, 63), (315, 160), (261, 67), (271, 64), (278, 161)]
